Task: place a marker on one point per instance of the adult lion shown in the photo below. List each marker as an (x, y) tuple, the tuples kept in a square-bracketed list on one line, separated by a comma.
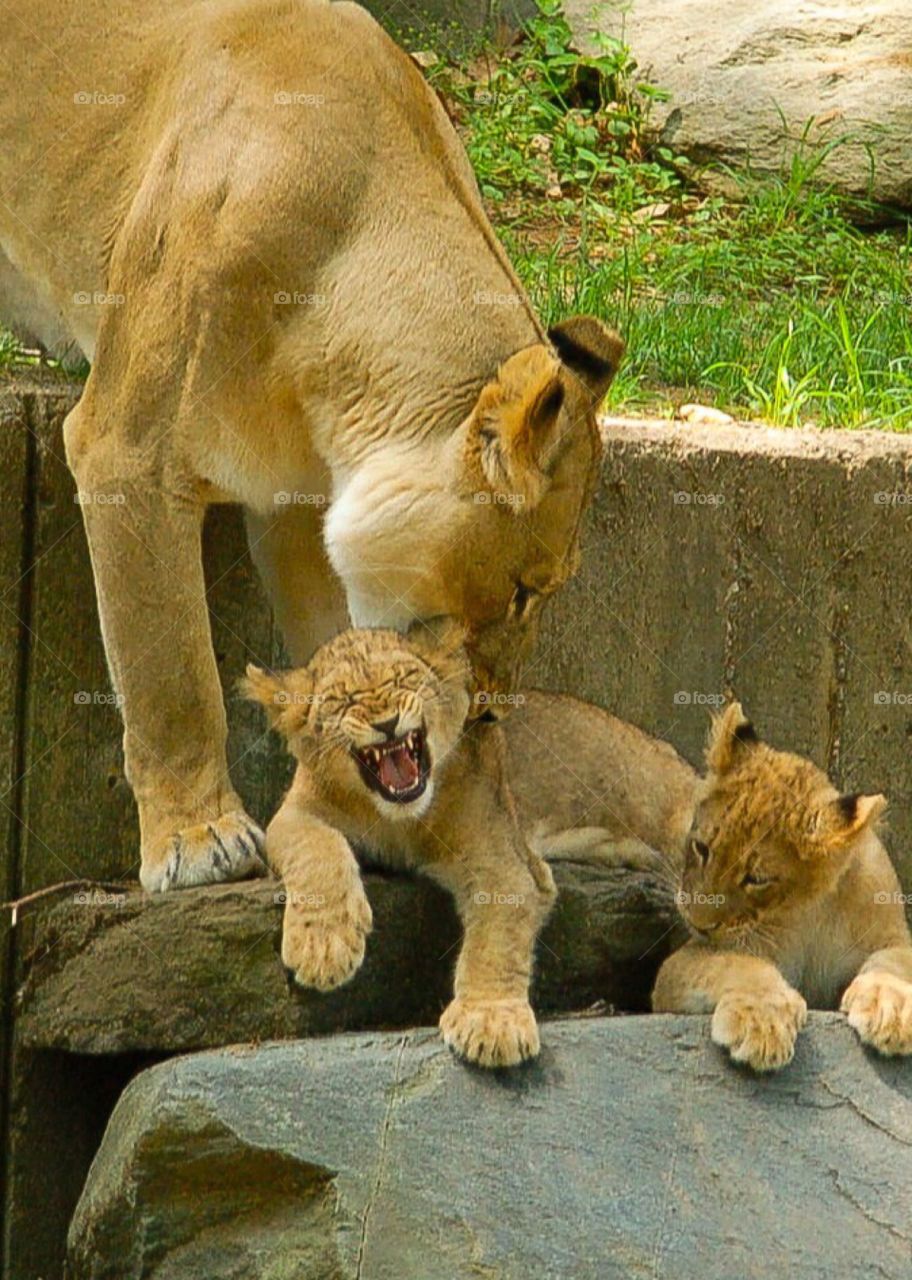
[(256, 221)]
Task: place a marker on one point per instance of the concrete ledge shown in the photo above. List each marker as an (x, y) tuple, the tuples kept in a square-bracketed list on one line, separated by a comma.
[(201, 968), (632, 1148)]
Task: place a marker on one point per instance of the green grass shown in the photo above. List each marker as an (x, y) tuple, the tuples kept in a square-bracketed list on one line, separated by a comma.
[(769, 303)]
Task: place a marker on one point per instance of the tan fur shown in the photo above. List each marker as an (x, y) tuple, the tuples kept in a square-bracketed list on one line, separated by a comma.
[(556, 778), (255, 219), (791, 898)]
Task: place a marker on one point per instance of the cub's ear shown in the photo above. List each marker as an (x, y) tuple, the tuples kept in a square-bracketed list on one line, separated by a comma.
[(590, 350), (730, 735), (286, 696), (840, 820), (514, 434)]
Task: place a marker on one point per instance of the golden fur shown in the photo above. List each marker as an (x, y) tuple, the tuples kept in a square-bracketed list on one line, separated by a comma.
[(291, 297), (791, 898), (557, 778)]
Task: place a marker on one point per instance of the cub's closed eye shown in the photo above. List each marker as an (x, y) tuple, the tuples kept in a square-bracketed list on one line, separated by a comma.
[(752, 881), (699, 849)]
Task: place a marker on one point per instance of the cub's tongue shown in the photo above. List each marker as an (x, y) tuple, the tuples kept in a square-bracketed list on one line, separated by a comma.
[(398, 769)]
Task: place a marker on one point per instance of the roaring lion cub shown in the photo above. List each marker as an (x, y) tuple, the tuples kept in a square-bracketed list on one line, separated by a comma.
[(387, 761), (791, 897)]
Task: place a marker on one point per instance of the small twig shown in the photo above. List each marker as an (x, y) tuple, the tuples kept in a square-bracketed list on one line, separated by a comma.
[(63, 886)]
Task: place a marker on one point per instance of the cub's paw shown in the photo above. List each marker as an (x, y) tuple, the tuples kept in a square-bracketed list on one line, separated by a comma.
[(227, 848), (759, 1030), (879, 1008), (491, 1033), (324, 946)]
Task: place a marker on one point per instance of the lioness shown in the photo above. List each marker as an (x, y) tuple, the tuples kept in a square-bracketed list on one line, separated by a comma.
[(256, 221), (791, 897), (386, 760)]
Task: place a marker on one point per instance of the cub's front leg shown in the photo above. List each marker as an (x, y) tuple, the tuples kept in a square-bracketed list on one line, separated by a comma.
[(878, 1002), (327, 914), (756, 1015), (503, 896)]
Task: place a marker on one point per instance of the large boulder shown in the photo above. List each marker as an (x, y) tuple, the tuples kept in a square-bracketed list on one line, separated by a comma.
[(746, 79), (632, 1148)]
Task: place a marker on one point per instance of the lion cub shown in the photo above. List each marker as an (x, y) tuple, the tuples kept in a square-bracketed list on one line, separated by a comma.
[(790, 897), (388, 761)]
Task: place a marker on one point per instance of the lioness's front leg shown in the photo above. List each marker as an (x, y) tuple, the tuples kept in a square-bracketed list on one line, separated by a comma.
[(756, 1014), (144, 538), (503, 898), (327, 914), (878, 1002)]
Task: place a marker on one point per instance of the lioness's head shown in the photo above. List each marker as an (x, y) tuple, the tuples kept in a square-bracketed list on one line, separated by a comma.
[(483, 524), (770, 836), (373, 714)]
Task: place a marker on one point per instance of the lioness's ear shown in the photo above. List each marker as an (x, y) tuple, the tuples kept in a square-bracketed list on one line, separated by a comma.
[(513, 432), (840, 820), (590, 350), (284, 694), (731, 734)]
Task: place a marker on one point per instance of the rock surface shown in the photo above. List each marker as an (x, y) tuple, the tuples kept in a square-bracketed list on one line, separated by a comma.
[(109, 973), (745, 78), (631, 1149)]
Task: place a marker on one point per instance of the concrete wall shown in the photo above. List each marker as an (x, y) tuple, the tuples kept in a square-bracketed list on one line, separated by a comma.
[(772, 565)]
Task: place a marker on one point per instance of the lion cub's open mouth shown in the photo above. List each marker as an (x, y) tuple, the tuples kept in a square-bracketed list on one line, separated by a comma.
[(397, 770)]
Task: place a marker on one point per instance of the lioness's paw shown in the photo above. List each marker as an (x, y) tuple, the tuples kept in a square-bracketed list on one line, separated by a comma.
[(759, 1030), (227, 848), (879, 1007), (324, 947), (492, 1033)]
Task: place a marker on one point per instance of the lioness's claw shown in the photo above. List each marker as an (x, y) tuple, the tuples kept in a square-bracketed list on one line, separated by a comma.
[(759, 1030), (879, 1008), (227, 848), (491, 1033), (324, 948)]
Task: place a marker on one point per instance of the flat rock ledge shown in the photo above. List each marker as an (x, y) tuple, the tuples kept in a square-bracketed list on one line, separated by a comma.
[(108, 972), (632, 1148)]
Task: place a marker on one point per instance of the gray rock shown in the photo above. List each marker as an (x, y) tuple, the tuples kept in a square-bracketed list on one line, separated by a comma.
[(631, 1149), (201, 968), (745, 78)]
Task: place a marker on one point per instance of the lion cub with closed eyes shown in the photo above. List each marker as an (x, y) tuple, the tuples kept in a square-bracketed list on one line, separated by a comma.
[(388, 761), (790, 897)]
